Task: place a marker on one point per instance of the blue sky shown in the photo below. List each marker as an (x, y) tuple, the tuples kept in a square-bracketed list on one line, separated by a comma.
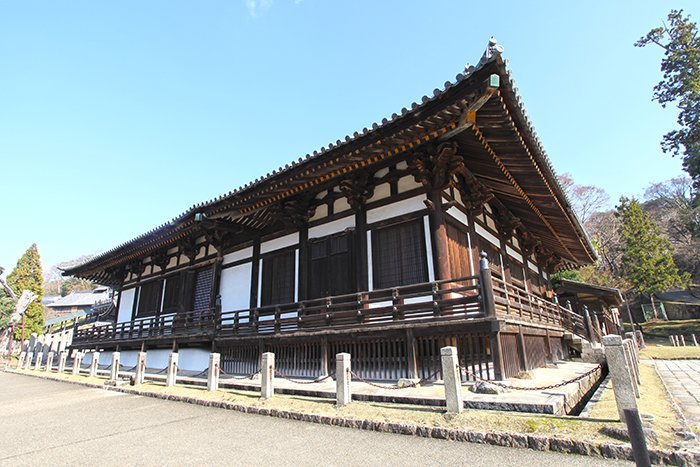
[(117, 116)]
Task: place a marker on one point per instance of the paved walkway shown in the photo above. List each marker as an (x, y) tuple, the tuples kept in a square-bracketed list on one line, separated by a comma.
[(683, 380), (46, 422)]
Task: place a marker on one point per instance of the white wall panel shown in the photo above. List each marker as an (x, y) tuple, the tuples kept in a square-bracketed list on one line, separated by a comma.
[(278, 243), (235, 287), (332, 227), (126, 304), (243, 253), (399, 208)]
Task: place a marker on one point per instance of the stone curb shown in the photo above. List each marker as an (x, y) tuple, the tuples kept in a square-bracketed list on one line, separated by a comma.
[(505, 439)]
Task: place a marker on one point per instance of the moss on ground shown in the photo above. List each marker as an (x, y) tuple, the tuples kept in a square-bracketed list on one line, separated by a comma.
[(653, 350), (653, 402)]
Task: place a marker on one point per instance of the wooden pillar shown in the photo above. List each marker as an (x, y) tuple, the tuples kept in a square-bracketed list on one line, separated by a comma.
[(438, 230), (325, 360), (497, 352), (255, 273), (303, 290), (474, 244), (524, 365), (361, 265), (412, 355)]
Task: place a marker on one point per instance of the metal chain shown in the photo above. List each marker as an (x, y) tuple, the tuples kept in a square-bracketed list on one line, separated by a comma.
[(197, 375), (108, 367), (412, 384), (231, 376), (128, 369), (160, 371), (533, 388), (317, 380)]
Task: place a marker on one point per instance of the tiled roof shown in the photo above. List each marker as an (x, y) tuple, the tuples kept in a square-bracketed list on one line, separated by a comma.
[(492, 54), (88, 298)]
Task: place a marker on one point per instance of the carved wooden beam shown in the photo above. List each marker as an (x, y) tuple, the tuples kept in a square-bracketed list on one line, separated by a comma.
[(474, 193), (357, 188), (293, 212), (528, 242), (468, 117), (506, 222), (434, 167)]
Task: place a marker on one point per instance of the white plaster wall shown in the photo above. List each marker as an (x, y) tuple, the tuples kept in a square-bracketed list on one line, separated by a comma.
[(407, 183), (157, 358), (399, 208), (458, 215), (533, 267), (126, 304), (235, 287), (278, 243), (243, 253), (128, 358), (488, 236), (428, 248), (321, 212), (332, 227), (514, 254), (193, 359), (381, 191)]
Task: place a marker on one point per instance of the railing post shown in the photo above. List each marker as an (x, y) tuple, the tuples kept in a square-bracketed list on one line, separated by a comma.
[(140, 374), (77, 361), (589, 325), (640, 452), (20, 361), (451, 379), (39, 358), (172, 369), (343, 377), (28, 361), (62, 357), (49, 361), (94, 364), (267, 385), (486, 284), (114, 373), (213, 375), (620, 372)]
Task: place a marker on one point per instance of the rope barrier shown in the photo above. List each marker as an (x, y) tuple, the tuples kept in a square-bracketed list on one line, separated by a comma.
[(412, 384), (296, 381), (533, 388)]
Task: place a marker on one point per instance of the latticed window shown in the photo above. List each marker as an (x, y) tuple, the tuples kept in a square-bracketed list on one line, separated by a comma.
[(398, 255), (204, 280), (278, 279), (149, 299), (517, 273), (330, 268)]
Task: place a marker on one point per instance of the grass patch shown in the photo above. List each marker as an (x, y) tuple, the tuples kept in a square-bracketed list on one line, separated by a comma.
[(654, 403), (657, 350), (668, 328)]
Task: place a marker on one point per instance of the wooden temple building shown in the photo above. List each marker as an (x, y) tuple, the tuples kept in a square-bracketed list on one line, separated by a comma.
[(369, 246)]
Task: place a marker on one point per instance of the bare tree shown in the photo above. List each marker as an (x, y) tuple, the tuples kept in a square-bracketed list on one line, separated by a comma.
[(585, 199)]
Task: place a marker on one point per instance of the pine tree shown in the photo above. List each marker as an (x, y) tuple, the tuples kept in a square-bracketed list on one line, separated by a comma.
[(27, 276), (647, 261)]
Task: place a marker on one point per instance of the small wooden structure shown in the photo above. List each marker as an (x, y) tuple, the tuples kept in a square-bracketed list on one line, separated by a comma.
[(370, 246)]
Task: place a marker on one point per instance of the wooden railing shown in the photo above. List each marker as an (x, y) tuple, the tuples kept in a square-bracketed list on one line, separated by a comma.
[(184, 324), (514, 301), (439, 300)]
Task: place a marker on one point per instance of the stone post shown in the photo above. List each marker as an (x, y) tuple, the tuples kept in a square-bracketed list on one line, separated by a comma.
[(213, 374), (140, 368), (673, 342), (23, 355), (634, 370), (49, 362), (77, 361), (28, 361), (267, 384), (620, 373), (39, 358), (682, 340), (62, 361), (114, 370), (172, 369), (451, 379), (695, 341), (343, 393), (94, 364), (640, 339)]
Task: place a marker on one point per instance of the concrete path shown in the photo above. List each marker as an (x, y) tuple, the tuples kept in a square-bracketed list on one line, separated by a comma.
[(682, 377), (62, 424)]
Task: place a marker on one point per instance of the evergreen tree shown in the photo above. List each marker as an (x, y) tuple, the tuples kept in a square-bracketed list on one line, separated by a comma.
[(27, 276), (647, 261)]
